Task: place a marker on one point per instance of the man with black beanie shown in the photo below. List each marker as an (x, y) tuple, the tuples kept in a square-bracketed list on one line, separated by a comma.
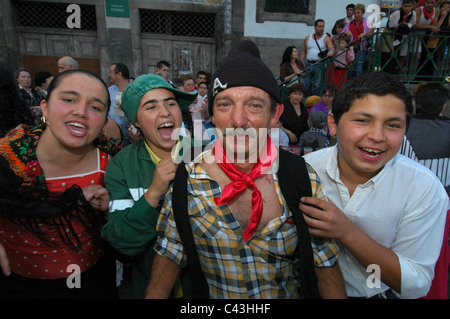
[(234, 243)]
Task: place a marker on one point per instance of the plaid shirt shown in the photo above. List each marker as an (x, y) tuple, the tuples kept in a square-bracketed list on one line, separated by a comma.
[(263, 267)]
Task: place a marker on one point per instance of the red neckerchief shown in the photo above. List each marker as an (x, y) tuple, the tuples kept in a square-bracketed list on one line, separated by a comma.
[(241, 181), (428, 16), (406, 17)]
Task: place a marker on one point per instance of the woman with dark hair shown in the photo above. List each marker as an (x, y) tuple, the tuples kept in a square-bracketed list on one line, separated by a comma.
[(42, 80), (291, 67), (295, 115), (13, 111), (29, 95), (53, 200)]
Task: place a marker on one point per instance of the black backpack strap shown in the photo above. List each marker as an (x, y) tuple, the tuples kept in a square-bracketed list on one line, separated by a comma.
[(294, 183), (198, 285)]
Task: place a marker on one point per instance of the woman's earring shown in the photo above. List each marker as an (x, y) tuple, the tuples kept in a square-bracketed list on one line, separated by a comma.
[(44, 120)]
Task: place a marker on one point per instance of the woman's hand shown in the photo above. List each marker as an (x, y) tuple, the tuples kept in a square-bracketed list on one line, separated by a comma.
[(98, 196), (4, 261)]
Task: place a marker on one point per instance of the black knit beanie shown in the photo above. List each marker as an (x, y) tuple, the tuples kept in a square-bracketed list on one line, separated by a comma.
[(243, 67)]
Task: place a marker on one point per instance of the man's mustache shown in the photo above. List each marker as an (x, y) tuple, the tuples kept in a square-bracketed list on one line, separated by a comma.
[(239, 132)]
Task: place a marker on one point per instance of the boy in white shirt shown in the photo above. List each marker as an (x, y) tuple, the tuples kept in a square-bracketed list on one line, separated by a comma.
[(387, 211)]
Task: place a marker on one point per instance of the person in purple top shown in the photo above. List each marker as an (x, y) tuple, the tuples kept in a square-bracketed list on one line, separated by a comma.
[(324, 105)]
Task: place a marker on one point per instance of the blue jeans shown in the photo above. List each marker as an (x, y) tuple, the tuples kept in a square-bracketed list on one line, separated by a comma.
[(312, 79), (360, 58)]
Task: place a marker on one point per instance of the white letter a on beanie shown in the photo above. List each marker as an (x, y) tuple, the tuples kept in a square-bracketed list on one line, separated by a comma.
[(217, 85)]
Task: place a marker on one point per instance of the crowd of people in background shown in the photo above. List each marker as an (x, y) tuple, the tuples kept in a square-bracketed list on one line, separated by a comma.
[(106, 149), (349, 45)]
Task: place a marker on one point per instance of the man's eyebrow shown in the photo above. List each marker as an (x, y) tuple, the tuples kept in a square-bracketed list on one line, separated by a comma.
[(257, 98), (78, 94), (156, 101)]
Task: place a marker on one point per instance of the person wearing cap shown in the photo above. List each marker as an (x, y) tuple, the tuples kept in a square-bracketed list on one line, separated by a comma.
[(139, 175), (246, 246), (316, 137), (311, 101)]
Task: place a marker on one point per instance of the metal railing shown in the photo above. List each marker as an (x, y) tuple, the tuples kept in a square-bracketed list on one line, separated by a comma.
[(418, 58), (402, 59)]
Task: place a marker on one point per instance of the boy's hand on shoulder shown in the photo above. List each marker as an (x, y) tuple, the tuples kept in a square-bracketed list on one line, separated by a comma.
[(324, 218)]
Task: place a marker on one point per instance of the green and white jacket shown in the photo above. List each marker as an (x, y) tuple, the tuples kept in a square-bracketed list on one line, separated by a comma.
[(131, 225)]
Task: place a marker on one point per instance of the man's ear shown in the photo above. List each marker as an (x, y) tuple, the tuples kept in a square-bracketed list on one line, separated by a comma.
[(332, 126), (279, 108)]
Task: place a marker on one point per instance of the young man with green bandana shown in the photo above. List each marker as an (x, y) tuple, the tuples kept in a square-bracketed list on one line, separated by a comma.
[(139, 176)]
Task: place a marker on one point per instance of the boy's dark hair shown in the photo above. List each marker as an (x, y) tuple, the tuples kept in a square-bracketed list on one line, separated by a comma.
[(41, 77), (122, 68), (376, 83), (162, 63), (431, 98), (350, 6)]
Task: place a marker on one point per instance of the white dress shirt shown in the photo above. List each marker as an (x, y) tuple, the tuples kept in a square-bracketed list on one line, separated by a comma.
[(402, 208)]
